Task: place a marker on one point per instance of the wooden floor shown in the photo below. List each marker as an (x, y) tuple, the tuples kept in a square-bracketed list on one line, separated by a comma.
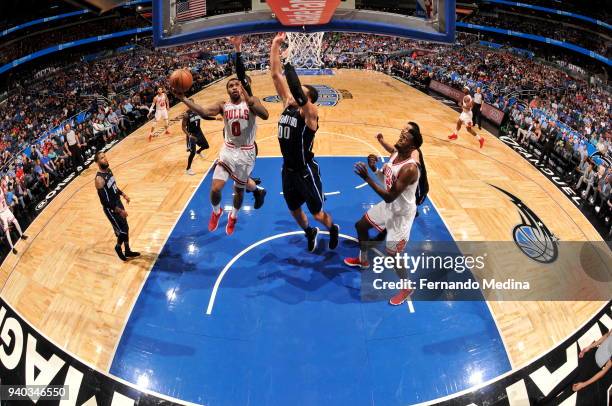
[(69, 284)]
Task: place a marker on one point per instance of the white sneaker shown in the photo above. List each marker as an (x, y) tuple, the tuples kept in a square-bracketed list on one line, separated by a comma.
[(190, 172)]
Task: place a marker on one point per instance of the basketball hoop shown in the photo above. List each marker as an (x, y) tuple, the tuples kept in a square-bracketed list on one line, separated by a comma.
[(304, 51)]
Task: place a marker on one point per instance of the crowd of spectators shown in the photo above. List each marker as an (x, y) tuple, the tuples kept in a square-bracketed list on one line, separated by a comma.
[(560, 32), (599, 9), (112, 96), (11, 50), (115, 94)]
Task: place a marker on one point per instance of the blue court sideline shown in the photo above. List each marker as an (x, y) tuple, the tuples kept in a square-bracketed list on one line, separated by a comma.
[(288, 327)]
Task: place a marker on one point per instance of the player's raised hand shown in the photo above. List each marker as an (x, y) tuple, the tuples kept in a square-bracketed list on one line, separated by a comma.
[(279, 38), (361, 170), (179, 95), (236, 41), (372, 160), (245, 96)]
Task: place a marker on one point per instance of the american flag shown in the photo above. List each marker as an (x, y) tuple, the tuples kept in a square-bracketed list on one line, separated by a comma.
[(190, 9)]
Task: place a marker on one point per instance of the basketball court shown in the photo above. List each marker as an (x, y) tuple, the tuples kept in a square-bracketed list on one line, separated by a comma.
[(253, 318)]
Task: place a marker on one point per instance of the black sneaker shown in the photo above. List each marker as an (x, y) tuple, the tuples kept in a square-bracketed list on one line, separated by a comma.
[(260, 195), (132, 254), (333, 236), (311, 235), (24, 237), (14, 251), (120, 253)]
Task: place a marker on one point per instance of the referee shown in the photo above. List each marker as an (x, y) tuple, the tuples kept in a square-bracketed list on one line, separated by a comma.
[(74, 147), (476, 108)]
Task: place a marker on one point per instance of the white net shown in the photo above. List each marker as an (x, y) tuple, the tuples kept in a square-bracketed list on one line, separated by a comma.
[(305, 49)]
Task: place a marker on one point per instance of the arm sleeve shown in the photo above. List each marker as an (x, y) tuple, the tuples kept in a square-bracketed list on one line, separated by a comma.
[(241, 72), (294, 85)]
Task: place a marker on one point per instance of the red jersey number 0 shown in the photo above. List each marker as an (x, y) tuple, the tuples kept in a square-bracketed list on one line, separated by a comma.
[(236, 129)]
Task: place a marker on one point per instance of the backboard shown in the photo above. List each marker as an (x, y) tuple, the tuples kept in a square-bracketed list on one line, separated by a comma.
[(184, 21)]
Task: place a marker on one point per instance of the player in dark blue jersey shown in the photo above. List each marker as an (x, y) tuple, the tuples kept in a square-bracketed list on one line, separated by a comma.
[(194, 136), (110, 197), (297, 127)]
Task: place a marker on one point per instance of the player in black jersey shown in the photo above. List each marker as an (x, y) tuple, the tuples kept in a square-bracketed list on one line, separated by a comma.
[(194, 136), (297, 126), (110, 197)]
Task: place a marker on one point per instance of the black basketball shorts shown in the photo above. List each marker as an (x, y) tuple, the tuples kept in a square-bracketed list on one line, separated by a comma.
[(303, 186)]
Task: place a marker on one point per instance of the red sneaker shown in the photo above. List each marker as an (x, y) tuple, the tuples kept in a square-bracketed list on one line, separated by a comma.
[(150, 136), (401, 297), (231, 224), (213, 223), (356, 262), (481, 141), (452, 137), (167, 132)]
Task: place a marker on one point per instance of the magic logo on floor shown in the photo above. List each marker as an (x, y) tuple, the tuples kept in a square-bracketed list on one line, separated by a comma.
[(532, 236), (328, 96)]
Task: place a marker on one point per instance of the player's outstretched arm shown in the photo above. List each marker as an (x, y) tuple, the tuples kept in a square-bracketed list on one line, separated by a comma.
[(275, 68), (381, 140), (240, 69), (407, 175), (208, 110), (311, 114)]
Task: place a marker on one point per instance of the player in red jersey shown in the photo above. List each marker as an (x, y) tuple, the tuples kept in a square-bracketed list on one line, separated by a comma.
[(395, 214), (466, 117), (161, 104)]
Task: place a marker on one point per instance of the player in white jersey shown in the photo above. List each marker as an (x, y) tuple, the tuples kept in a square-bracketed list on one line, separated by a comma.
[(466, 117), (237, 156), (6, 217), (396, 212), (161, 104)]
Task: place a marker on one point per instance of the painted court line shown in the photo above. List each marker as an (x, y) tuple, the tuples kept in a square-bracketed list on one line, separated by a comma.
[(225, 269), (144, 280), (213, 295)]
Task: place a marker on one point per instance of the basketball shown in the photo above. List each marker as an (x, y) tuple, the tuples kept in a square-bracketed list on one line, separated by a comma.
[(181, 80)]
